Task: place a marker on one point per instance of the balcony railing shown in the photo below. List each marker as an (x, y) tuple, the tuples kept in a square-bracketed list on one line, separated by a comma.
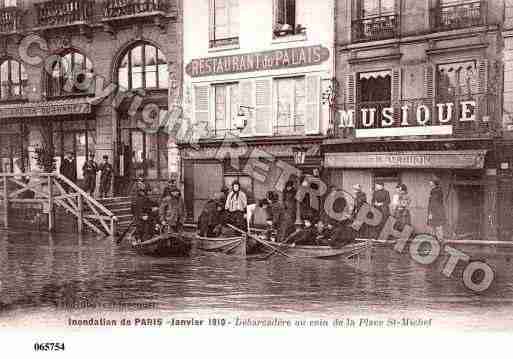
[(459, 16), (375, 28), (10, 20), (126, 8), (229, 41), (486, 116), (63, 12)]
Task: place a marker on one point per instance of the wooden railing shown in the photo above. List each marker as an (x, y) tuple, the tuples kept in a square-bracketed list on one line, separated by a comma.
[(63, 12), (120, 8), (10, 20), (53, 190)]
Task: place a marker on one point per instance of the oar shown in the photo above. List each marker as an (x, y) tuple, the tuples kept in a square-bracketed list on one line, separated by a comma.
[(120, 239), (259, 241)]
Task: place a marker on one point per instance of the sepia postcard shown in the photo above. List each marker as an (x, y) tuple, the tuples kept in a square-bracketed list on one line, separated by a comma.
[(320, 177)]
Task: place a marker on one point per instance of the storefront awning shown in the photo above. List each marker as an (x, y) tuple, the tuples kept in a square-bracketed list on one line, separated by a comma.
[(464, 159), (76, 106)]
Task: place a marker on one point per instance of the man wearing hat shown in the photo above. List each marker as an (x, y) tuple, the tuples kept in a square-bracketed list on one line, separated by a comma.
[(381, 201), (360, 198), (172, 210), (89, 169), (106, 176), (171, 183)]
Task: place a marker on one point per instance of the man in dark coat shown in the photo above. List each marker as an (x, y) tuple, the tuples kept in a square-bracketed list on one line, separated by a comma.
[(210, 220), (106, 176), (142, 211), (381, 201), (436, 210), (68, 167), (90, 169), (288, 219)]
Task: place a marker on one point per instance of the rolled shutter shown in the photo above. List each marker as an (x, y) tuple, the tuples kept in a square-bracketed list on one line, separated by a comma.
[(429, 90), (482, 68), (483, 100), (247, 98), (263, 107), (313, 102), (351, 91)]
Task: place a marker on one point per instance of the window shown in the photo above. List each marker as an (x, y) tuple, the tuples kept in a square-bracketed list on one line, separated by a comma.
[(455, 14), (457, 80), (291, 102), (286, 19), (375, 92), (224, 18), (70, 74), (226, 107), (372, 8), (143, 66), (13, 79)]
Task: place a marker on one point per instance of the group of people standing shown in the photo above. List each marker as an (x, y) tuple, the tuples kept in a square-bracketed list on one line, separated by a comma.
[(68, 168), (398, 206)]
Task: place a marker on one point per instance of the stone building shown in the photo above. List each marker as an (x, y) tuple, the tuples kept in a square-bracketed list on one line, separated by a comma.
[(420, 97), (76, 75), (255, 70)]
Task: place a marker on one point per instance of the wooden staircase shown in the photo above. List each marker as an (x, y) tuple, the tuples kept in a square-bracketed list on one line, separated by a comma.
[(121, 208)]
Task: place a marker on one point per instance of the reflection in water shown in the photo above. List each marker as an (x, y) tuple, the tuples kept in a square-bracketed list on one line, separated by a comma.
[(40, 272)]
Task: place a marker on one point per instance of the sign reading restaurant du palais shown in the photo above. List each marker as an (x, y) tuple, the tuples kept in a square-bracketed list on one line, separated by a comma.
[(258, 61)]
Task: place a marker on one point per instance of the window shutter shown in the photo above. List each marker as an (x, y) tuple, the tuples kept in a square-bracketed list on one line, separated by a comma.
[(396, 92), (482, 68), (263, 105), (351, 91), (291, 12), (313, 103), (429, 82), (211, 21), (201, 104), (279, 12), (246, 98)]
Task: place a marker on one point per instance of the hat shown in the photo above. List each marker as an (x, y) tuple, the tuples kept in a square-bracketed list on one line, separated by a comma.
[(105, 157), (380, 183), (357, 187)]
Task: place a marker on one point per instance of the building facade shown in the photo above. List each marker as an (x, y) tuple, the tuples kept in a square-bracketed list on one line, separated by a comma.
[(420, 95), (76, 76), (256, 71)]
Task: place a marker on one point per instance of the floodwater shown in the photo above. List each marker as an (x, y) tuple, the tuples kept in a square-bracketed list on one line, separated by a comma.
[(43, 276)]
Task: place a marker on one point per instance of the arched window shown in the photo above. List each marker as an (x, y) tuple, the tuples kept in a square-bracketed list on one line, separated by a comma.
[(143, 66), (70, 74), (13, 79)]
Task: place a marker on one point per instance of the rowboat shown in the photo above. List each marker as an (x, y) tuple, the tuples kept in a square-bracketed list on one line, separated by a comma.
[(164, 245), (236, 245), (320, 252)]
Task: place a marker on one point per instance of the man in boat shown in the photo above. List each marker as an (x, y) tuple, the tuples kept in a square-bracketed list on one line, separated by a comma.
[(289, 206), (307, 236), (143, 213), (211, 219), (172, 211)]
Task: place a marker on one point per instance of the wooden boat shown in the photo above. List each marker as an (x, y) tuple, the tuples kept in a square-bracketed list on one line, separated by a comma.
[(236, 245), (321, 252), (164, 245)]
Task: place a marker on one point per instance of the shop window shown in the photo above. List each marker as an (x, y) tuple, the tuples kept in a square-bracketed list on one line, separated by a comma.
[(224, 22), (143, 67), (375, 93), (13, 80), (291, 105), (286, 21), (226, 107), (70, 74)]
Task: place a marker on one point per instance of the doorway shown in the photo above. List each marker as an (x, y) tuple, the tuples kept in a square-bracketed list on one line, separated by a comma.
[(470, 210)]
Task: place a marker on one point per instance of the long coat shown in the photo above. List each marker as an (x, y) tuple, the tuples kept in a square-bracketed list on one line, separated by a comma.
[(68, 169), (210, 218), (436, 207)]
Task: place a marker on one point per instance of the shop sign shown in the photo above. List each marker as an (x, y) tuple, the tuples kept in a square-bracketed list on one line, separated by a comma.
[(258, 61), (44, 110), (465, 159), (407, 120)]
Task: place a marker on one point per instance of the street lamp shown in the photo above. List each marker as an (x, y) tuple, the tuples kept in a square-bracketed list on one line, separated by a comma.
[(299, 154)]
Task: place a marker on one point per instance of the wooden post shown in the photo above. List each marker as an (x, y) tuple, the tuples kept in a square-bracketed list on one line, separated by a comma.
[(51, 219), (6, 203), (80, 217)]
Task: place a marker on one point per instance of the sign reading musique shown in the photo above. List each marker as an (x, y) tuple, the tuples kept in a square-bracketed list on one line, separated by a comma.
[(388, 124)]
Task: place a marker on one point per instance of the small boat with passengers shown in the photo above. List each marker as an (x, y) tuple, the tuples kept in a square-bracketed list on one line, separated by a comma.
[(163, 245)]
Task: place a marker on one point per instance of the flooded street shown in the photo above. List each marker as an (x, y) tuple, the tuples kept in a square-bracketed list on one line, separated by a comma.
[(48, 275)]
